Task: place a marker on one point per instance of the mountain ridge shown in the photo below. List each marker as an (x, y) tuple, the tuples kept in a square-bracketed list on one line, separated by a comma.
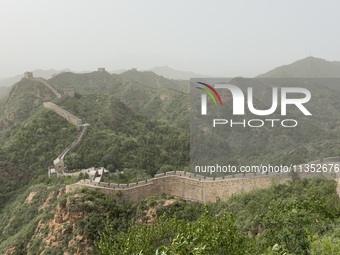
[(46, 74), (309, 67), (174, 74)]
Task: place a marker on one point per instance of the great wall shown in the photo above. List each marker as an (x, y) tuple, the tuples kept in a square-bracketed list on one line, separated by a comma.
[(194, 187), (59, 164), (63, 113), (181, 184)]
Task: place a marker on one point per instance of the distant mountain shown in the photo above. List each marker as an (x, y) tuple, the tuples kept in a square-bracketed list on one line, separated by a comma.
[(6, 82), (170, 73), (309, 67), (153, 80), (119, 71), (46, 74), (145, 92)]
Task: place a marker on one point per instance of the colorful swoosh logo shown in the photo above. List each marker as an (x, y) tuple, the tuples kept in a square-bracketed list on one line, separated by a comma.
[(210, 89)]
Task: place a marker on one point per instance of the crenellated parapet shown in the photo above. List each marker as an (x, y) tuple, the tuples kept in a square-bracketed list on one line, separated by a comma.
[(201, 188)]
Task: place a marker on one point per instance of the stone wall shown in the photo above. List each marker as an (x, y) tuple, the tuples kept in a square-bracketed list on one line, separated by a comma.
[(54, 90), (181, 186), (196, 187), (63, 113), (76, 142)]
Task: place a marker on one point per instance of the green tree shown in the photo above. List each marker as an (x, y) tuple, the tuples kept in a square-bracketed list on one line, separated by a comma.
[(325, 246), (172, 236)]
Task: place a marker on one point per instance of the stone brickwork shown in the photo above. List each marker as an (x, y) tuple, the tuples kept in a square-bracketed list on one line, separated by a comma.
[(43, 81), (183, 186), (76, 142), (63, 113), (195, 187), (59, 165), (28, 75)]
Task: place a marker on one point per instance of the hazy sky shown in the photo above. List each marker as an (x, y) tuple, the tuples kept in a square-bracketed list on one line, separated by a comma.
[(230, 38)]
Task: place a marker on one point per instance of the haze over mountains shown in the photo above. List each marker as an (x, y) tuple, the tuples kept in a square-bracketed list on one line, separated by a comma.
[(164, 71), (309, 67), (46, 74), (170, 73)]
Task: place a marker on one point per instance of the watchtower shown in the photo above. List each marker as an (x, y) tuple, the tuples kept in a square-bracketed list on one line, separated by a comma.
[(59, 165), (69, 92), (28, 75), (101, 70)]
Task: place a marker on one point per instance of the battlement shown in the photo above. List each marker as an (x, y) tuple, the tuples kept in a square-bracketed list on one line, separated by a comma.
[(196, 187), (178, 186)]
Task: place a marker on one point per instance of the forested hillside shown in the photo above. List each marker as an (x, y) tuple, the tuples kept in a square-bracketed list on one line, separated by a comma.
[(146, 93), (139, 126), (299, 217)]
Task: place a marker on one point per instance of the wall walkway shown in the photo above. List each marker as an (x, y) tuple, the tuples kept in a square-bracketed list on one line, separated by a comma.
[(197, 187)]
